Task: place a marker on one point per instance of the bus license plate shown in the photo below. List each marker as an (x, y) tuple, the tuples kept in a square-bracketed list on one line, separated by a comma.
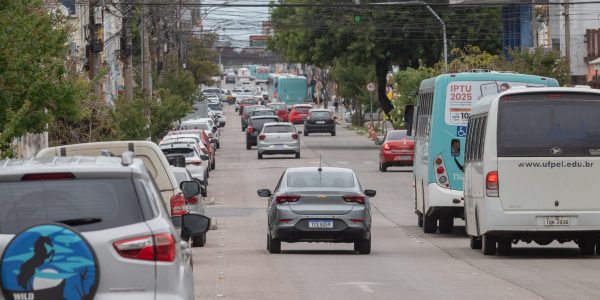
[(556, 221), (318, 224)]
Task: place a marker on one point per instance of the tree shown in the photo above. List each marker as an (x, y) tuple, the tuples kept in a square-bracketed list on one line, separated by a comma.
[(180, 82), (34, 88), (201, 59), (539, 62), (407, 84), (352, 79)]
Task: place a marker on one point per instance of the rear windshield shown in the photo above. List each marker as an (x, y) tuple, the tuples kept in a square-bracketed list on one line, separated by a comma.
[(186, 152), (249, 101), (203, 126), (259, 123), (107, 202), (215, 107), (321, 179), (302, 109), (396, 135), (320, 114), (277, 106), (566, 124), (278, 129), (263, 113)]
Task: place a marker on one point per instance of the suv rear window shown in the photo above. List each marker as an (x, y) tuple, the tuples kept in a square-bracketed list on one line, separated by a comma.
[(531, 125), (320, 115), (278, 129), (259, 123), (216, 107), (321, 179), (263, 113), (26, 203)]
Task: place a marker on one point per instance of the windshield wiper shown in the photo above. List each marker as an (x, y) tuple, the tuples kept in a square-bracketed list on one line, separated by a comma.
[(80, 221)]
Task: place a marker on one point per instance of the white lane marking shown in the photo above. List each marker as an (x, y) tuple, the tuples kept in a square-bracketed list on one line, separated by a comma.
[(363, 286), (343, 162), (368, 162)]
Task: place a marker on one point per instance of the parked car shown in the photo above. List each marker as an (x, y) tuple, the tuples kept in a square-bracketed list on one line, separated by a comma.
[(263, 111), (319, 120), (255, 126), (246, 102), (115, 221), (195, 204), (197, 138), (219, 115), (246, 114), (278, 138), (210, 147), (282, 110), (193, 160), (206, 124), (299, 113), (397, 149), (323, 204), (149, 152)]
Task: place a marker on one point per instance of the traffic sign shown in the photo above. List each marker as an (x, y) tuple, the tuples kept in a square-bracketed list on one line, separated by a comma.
[(371, 86)]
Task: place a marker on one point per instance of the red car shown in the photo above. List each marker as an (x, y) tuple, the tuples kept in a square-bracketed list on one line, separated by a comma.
[(299, 113), (397, 149), (281, 109)]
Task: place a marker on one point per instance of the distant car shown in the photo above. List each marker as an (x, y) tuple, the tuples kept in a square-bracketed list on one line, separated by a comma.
[(397, 149), (210, 147), (313, 204), (264, 111), (246, 114), (255, 126), (207, 124), (299, 113), (193, 160), (246, 102), (282, 110), (319, 121), (230, 78), (217, 109), (115, 206), (278, 138), (195, 204)]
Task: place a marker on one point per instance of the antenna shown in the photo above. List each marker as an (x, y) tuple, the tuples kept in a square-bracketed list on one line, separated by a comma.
[(320, 169)]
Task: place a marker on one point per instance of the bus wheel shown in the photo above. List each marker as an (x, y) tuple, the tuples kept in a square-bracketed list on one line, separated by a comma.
[(446, 224), (488, 245), (429, 224), (474, 242)]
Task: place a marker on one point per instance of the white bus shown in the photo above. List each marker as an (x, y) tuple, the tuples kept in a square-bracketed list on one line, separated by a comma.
[(532, 168)]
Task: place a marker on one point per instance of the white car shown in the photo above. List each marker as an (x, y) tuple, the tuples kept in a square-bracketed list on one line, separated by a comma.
[(278, 138), (206, 124), (194, 204), (193, 160)]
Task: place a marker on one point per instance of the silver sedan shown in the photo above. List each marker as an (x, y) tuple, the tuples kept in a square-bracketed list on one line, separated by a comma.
[(313, 204), (278, 138)]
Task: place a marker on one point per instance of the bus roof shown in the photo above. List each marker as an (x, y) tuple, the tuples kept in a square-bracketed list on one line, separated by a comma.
[(478, 76)]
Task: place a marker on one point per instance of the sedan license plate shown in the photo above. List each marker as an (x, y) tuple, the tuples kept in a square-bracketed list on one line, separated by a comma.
[(319, 224), (320, 122), (556, 221), (402, 157)]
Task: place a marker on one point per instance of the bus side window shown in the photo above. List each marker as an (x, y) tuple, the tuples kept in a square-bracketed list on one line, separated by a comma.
[(477, 146), (469, 141), (481, 138)]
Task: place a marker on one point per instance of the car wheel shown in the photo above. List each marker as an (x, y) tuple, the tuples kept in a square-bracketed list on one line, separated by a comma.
[(305, 132), (199, 241), (297, 154), (333, 133), (218, 145), (382, 167), (213, 165), (505, 244), (260, 156), (420, 220), (273, 245), (586, 245), (488, 245), (363, 246), (474, 242), (446, 224), (429, 224), (248, 145)]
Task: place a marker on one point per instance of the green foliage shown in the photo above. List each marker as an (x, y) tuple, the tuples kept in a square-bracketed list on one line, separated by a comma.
[(352, 79), (469, 58), (165, 111), (201, 59), (406, 85), (539, 62), (180, 82), (33, 87)]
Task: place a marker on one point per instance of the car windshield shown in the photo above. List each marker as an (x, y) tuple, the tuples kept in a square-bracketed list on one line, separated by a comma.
[(302, 109), (259, 123), (278, 129), (396, 135), (320, 114), (328, 179), (112, 202)]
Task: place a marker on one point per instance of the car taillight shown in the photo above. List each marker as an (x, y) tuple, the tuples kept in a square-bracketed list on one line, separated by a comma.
[(193, 200), (47, 176), (295, 136), (441, 174), (286, 198), (355, 198), (210, 135), (249, 129), (178, 207), (492, 187), (261, 137), (194, 162), (387, 147), (158, 247), (205, 150)]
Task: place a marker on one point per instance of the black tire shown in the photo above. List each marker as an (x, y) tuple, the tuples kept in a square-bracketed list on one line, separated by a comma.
[(420, 220), (199, 241), (587, 245), (305, 132), (488, 245), (297, 154), (505, 245), (383, 167), (363, 246), (474, 242), (333, 133), (446, 224), (248, 145), (213, 165), (260, 156), (218, 145), (429, 224), (273, 245), (205, 191)]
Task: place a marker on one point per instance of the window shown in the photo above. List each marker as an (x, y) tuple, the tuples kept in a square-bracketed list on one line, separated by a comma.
[(320, 179), (475, 138), (424, 114), (278, 129)]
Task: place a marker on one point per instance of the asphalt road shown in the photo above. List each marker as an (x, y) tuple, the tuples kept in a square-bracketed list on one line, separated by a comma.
[(405, 263)]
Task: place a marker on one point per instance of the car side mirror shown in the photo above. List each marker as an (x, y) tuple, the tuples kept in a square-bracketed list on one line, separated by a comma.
[(370, 193), (194, 224), (264, 193), (190, 189), (204, 157)]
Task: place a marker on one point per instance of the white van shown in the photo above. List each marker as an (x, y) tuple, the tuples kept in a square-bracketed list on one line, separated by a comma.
[(243, 75), (532, 163)]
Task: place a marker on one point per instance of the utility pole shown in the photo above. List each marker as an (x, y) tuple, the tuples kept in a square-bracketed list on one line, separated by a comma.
[(567, 34), (94, 46), (146, 77), (127, 53)]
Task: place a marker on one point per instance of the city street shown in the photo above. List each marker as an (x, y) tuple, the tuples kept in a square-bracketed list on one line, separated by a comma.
[(405, 263)]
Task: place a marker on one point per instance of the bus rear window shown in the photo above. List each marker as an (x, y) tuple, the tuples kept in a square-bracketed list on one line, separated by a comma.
[(556, 124)]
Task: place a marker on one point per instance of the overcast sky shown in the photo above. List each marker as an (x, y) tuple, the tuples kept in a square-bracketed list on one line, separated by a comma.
[(236, 23)]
